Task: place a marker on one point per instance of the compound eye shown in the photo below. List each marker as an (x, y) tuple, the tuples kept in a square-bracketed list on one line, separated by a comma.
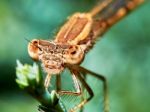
[(33, 49), (74, 55), (35, 42), (73, 50)]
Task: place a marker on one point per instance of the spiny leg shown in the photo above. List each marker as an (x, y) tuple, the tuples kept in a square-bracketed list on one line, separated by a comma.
[(77, 87), (82, 96), (76, 84), (100, 77), (86, 87), (58, 82)]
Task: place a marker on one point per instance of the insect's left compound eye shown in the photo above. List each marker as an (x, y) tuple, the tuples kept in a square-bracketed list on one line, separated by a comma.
[(33, 49)]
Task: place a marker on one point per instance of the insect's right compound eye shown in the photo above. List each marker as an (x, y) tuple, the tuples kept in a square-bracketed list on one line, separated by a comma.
[(74, 55), (72, 50), (33, 49)]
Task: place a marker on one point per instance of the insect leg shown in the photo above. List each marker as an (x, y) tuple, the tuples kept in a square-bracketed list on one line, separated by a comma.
[(105, 85), (58, 82), (86, 87), (77, 87), (82, 96)]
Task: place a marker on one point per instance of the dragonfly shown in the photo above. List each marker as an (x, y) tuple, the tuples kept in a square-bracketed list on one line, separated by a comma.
[(73, 41)]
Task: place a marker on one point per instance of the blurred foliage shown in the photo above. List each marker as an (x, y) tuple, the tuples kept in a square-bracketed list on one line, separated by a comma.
[(30, 79), (122, 55)]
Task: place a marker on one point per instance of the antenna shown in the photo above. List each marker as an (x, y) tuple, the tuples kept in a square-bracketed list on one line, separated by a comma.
[(32, 43), (27, 40)]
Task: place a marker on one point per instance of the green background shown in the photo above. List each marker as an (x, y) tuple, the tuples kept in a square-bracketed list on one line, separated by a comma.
[(122, 55)]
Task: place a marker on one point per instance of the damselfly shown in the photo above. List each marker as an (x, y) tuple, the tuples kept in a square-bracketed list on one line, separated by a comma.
[(75, 38)]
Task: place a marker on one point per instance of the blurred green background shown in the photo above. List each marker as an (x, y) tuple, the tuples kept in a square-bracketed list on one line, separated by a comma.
[(122, 55)]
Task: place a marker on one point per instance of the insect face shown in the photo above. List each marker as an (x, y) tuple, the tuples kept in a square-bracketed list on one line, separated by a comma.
[(48, 53), (54, 56)]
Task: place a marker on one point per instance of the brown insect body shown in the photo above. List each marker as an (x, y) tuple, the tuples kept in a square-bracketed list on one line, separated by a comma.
[(75, 38)]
